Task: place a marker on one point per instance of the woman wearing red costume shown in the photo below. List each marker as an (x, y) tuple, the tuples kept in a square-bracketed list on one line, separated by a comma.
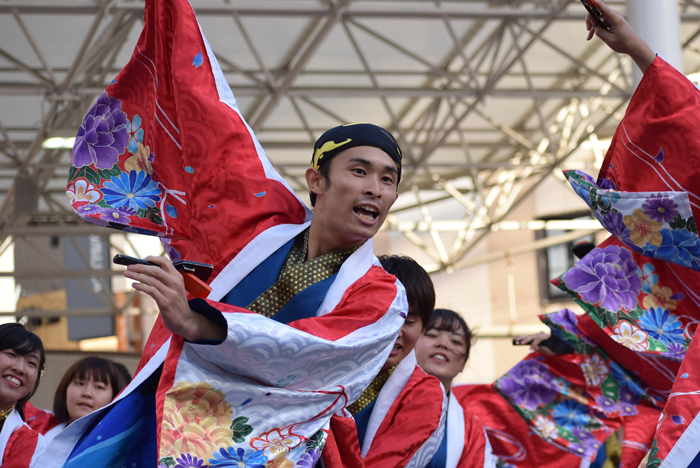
[(443, 351), (21, 367), (634, 351)]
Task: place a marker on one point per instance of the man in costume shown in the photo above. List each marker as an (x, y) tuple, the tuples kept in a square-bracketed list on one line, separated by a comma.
[(402, 412), (635, 350), (300, 317)]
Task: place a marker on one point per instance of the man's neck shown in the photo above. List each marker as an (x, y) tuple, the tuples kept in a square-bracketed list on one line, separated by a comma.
[(322, 242)]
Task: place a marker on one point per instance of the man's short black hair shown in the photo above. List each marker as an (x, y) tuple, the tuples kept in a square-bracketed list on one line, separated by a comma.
[(419, 287)]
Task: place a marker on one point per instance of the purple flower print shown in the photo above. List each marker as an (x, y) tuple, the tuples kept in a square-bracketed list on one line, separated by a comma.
[(88, 209), (102, 137), (188, 461), (527, 385), (588, 440), (119, 215), (607, 277), (170, 250), (676, 351), (607, 405), (566, 319), (308, 460), (660, 207), (613, 222), (606, 184)]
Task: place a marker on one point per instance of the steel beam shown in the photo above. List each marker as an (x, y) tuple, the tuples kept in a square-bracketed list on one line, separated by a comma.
[(345, 92)]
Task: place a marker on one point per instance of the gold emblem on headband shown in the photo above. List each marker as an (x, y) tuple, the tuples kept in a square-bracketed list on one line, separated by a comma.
[(327, 146)]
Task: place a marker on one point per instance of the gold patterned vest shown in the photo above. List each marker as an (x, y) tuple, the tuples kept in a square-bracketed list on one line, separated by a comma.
[(297, 275)]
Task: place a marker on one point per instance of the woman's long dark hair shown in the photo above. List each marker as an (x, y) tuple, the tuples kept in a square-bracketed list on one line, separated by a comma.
[(23, 342)]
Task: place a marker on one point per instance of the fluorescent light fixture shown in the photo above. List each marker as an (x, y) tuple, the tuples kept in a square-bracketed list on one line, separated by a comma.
[(58, 143)]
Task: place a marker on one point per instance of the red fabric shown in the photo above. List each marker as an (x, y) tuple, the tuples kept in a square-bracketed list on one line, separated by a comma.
[(20, 448), (473, 453), (229, 199), (409, 423), (40, 420), (637, 436), (663, 114), (663, 119), (684, 403), (510, 436), (342, 449)]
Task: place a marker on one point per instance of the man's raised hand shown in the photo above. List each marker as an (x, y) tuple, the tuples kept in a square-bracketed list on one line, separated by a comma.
[(166, 286), (621, 38)]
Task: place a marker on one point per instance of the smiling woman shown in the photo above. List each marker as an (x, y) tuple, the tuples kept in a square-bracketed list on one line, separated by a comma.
[(443, 351), (21, 367)]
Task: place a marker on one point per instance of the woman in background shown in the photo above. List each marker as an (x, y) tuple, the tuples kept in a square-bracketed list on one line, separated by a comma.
[(89, 384), (21, 367), (443, 351)]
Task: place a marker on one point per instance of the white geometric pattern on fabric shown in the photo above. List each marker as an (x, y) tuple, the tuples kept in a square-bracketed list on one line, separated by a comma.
[(278, 374)]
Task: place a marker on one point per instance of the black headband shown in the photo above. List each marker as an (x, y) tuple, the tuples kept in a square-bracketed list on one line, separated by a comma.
[(346, 136)]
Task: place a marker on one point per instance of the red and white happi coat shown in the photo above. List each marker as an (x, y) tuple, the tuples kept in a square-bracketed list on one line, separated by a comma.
[(43, 421), (20, 446), (178, 142), (405, 428), (468, 445)]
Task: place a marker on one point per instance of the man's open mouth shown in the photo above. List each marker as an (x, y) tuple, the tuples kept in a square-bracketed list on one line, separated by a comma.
[(366, 212)]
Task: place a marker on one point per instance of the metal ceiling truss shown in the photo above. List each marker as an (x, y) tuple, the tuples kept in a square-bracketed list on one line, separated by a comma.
[(503, 158)]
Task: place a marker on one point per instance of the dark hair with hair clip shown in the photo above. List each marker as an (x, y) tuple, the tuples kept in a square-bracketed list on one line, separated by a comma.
[(420, 291), (449, 320), (101, 370), (23, 342)]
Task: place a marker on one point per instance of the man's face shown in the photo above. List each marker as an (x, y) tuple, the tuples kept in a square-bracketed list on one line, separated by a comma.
[(362, 189), (408, 336)]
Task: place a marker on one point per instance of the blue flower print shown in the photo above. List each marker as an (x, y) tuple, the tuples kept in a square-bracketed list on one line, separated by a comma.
[(582, 191), (678, 246), (570, 414), (625, 379), (649, 278), (135, 134), (238, 458), (662, 326), (133, 189), (609, 197)]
